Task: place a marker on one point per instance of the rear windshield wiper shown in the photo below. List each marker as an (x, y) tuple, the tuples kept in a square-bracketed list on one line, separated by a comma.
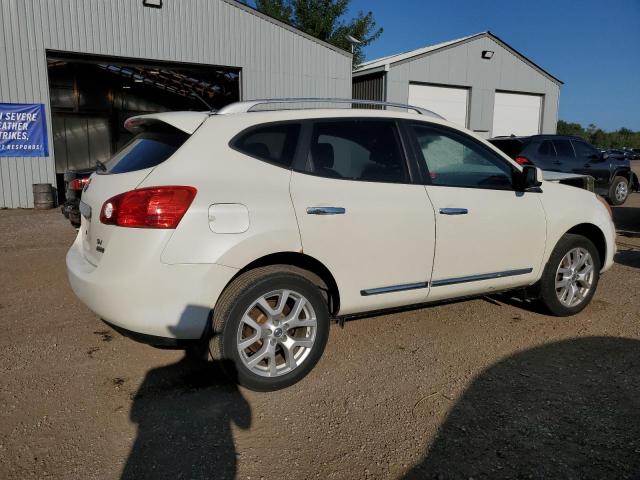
[(100, 166)]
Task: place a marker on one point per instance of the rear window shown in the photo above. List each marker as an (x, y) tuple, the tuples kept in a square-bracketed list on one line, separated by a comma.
[(271, 143), (146, 150), (509, 146)]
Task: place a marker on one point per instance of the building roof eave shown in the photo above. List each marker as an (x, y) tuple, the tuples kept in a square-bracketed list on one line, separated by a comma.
[(392, 60)]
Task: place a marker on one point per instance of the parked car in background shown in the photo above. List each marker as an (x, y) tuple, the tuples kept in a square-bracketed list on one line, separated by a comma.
[(619, 154), (613, 177), (74, 183), (249, 231), (633, 153)]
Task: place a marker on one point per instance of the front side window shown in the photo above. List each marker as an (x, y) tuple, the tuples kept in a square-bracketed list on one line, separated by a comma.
[(584, 149), (452, 159), (357, 150), (271, 143)]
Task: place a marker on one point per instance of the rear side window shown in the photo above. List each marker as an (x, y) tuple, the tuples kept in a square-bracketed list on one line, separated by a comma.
[(563, 148), (357, 150), (271, 143), (546, 149), (146, 150)]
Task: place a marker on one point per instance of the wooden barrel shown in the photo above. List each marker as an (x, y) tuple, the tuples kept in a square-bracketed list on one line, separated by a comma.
[(43, 196)]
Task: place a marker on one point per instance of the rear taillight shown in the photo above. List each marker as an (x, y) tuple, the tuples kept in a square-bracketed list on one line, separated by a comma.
[(78, 183), (153, 207), (523, 161)]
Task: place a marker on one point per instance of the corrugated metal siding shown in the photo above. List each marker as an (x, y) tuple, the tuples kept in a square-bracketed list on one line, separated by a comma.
[(275, 61), (463, 66), (369, 87)]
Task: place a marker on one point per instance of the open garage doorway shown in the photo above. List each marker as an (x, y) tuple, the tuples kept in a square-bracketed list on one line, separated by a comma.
[(91, 97)]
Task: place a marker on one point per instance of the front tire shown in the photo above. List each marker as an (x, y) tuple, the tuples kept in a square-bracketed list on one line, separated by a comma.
[(271, 326), (571, 276), (619, 191)]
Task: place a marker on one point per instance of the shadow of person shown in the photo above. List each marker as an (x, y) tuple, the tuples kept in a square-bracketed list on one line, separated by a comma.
[(184, 413), (566, 410), (630, 258), (626, 218)]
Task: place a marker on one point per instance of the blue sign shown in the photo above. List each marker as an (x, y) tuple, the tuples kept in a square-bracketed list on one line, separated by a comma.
[(23, 130)]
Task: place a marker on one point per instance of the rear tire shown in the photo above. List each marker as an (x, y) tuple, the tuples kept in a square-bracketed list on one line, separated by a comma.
[(270, 328), (570, 277), (619, 191)]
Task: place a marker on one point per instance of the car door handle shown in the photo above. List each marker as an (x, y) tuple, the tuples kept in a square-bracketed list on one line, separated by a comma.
[(453, 211), (326, 211), (587, 165)]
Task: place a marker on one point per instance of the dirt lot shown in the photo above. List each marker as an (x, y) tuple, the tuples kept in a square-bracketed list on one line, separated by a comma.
[(475, 389)]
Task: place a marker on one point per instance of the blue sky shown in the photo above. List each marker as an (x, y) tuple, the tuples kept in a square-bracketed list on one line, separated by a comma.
[(592, 46)]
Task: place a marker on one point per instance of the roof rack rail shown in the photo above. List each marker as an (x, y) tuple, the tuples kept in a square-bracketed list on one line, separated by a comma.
[(248, 105)]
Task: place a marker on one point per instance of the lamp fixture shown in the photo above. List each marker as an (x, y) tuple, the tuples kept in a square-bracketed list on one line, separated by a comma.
[(152, 3), (487, 54)]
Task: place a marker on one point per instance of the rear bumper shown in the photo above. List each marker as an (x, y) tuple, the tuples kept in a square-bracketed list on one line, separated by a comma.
[(145, 297), (154, 341)]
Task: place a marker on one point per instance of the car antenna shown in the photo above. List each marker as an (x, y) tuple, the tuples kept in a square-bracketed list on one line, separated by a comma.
[(101, 166), (195, 94)]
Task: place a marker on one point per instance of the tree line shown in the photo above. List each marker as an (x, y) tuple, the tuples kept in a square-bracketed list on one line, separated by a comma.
[(326, 20), (623, 138)]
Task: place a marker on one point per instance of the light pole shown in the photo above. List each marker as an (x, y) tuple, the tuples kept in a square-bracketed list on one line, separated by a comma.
[(353, 41)]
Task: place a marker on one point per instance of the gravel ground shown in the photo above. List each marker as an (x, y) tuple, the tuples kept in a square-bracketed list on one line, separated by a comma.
[(486, 388)]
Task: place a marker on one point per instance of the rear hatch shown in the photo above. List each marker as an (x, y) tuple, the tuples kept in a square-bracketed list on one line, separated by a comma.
[(510, 146), (158, 136)]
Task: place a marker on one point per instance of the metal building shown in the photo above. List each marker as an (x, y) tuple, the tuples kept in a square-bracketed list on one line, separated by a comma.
[(478, 81), (94, 62)]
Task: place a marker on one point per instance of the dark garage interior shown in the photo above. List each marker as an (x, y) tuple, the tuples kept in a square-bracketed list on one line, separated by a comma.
[(91, 97)]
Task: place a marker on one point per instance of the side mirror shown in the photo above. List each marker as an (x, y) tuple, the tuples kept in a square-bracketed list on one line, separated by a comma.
[(529, 178), (604, 156)]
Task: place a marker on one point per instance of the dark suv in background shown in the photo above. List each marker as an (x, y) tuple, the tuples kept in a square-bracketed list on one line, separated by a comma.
[(613, 177)]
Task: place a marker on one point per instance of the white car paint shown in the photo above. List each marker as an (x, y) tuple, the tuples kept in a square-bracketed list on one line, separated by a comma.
[(489, 239), (385, 238), (557, 176), (165, 282), (188, 122)]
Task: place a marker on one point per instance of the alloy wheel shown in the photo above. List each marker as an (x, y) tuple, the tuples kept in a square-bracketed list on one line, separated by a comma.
[(276, 333), (574, 277), (621, 191)]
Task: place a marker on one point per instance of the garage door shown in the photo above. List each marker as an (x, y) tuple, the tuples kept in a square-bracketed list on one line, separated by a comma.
[(516, 114), (450, 102)]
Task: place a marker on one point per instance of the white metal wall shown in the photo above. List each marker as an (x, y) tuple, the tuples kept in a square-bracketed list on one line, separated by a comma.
[(275, 59)]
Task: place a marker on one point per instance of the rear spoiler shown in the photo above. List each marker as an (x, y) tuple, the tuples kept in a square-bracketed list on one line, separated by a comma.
[(188, 122)]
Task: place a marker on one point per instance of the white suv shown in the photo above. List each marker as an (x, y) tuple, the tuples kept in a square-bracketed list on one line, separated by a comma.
[(252, 229)]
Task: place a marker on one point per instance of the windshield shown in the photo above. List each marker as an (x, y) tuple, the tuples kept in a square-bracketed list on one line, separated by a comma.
[(146, 150)]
